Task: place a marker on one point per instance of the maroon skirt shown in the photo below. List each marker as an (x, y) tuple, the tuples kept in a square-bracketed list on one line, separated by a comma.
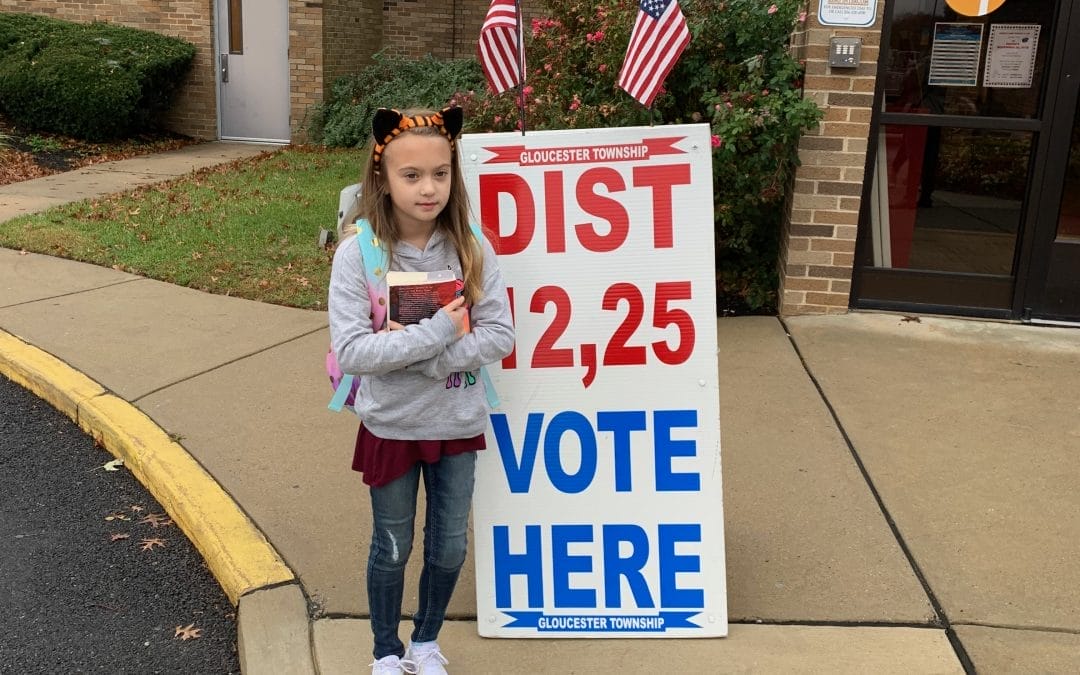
[(384, 460)]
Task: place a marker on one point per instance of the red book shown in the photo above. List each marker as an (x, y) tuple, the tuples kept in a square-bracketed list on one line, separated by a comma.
[(418, 295)]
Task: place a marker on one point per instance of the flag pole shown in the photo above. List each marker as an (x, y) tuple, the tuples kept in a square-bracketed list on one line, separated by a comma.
[(518, 37)]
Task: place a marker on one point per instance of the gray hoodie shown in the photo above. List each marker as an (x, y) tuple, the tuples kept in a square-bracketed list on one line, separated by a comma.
[(421, 382)]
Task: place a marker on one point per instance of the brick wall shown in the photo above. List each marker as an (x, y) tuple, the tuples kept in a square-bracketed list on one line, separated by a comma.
[(470, 17), (414, 28), (352, 33), (194, 110), (305, 62), (327, 38), (818, 244)]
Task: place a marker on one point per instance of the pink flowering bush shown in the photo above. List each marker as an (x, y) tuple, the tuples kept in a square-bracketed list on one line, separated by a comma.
[(573, 54), (737, 75), (746, 84)]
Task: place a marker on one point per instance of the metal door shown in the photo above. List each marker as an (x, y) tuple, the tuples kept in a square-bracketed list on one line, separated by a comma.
[(1053, 289), (253, 69)]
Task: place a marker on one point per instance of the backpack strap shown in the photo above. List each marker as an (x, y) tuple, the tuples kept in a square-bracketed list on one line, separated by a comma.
[(341, 394), (489, 386), (376, 263), (375, 259)]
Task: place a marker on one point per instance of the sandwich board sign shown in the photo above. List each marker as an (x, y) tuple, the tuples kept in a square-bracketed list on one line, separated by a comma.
[(597, 509)]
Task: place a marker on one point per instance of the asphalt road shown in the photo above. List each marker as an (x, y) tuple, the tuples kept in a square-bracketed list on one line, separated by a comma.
[(78, 592)]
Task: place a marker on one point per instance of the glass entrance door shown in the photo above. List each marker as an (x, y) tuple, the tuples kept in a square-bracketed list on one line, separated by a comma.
[(965, 106), (1053, 292)]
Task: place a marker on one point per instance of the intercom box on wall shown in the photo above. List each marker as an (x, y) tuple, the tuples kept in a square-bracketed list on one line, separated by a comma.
[(844, 52)]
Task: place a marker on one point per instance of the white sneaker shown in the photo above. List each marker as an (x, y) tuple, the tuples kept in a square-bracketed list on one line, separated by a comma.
[(427, 658), (391, 665)]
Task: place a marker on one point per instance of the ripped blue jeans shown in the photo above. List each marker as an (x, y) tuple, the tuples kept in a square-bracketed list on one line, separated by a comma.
[(448, 485)]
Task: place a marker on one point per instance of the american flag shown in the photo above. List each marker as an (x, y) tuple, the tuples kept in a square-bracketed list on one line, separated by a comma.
[(497, 49), (658, 39)]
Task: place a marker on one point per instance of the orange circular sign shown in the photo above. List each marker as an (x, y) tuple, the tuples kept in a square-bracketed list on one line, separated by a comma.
[(974, 7)]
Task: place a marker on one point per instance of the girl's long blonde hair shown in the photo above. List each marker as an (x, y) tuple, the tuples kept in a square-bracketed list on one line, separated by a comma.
[(375, 206)]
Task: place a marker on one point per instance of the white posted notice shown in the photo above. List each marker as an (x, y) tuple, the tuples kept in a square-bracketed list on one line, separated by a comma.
[(1010, 55), (598, 509), (954, 58), (852, 13)]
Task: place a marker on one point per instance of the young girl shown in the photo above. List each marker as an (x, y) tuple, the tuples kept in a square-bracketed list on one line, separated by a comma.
[(423, 409)]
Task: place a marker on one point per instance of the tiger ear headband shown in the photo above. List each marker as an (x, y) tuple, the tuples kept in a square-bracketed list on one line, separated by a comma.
[(388, 124)]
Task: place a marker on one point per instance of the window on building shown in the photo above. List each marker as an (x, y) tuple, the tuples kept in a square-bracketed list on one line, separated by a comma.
[(236, 27)]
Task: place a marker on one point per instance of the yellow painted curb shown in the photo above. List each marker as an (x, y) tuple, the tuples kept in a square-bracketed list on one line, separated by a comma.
[(45, 375), (237, 553)]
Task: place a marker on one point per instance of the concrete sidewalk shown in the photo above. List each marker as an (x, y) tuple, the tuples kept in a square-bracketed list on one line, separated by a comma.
[(900, 496), (96, 180)]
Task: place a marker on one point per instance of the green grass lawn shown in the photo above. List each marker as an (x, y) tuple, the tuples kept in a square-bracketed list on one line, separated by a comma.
[(247, 229)]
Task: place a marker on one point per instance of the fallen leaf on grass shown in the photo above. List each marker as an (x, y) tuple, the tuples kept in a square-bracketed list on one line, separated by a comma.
[(156, 520), (117, 536), (149, 544), (187, 632)]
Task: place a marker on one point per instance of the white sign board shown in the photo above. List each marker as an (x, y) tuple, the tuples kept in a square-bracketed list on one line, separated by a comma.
[(1010, 55), (853, 13), (598, 510)]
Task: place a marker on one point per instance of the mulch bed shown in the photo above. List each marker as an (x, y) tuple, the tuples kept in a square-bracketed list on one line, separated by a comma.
[(28, 155), (18, 166)]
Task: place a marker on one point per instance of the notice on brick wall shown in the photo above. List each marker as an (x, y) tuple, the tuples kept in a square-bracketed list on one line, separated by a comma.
[(851, 13)]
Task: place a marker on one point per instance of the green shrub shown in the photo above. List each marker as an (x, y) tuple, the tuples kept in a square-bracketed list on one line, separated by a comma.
[(94, 81), (344, 120), (573, 54), (737, 75)]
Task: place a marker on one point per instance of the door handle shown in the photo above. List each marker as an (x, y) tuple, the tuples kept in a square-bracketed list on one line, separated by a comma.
[(224, 67)]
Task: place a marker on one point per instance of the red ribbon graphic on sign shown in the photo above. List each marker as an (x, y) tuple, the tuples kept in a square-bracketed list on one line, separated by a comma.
[(645, 149)]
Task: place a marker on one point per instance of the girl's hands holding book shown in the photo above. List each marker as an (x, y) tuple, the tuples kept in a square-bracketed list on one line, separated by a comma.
[(455, 309), (457, 312)]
